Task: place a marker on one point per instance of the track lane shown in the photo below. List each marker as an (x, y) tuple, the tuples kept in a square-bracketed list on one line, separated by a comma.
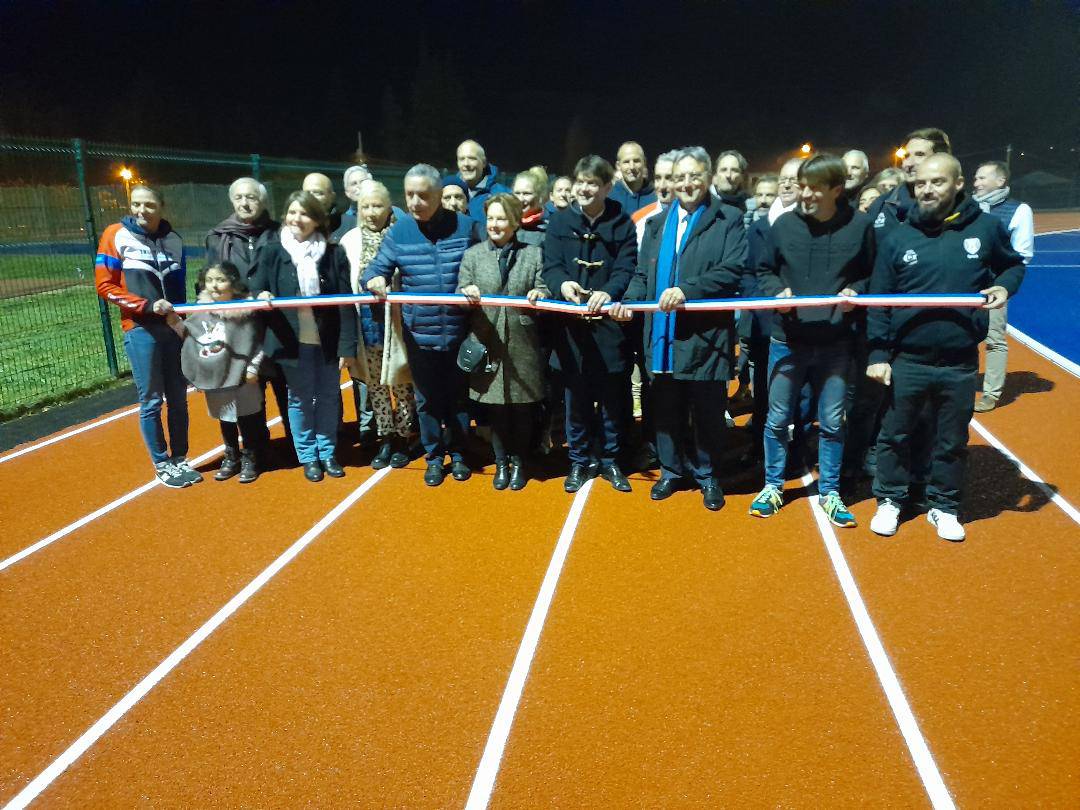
[(367, 672), (86, 621), (985, 634), (693, 659)]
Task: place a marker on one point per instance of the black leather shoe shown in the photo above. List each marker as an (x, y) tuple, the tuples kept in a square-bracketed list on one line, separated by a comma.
[(713, 497), (333, 469), (518, 478), (662, 489), (502, 476), (613, 475), (576, 478), (382, 458), (435, 473), (401, 458), (313, 471), (460, 470)]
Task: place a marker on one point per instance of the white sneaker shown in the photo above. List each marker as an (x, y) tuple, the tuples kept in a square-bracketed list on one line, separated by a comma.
[(948, 527), (886, 520)]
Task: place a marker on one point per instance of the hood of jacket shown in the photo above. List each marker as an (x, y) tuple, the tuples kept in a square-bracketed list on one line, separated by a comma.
[(164, 228)]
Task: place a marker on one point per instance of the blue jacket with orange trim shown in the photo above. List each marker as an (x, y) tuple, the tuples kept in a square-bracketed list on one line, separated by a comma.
[(134, 269)]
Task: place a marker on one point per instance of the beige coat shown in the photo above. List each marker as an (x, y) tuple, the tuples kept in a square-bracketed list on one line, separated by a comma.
[(395, 364), (511, 335)]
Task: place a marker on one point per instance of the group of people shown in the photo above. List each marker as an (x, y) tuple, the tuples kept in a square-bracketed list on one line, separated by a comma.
[(892, 389)]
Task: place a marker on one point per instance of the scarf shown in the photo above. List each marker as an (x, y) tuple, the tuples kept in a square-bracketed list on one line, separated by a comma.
[(667, 275), (991, 198), (531, 220), (507, 256), (232, 230), (305, 255)]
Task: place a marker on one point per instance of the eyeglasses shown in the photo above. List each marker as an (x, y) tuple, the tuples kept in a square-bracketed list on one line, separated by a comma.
[(789, 181)]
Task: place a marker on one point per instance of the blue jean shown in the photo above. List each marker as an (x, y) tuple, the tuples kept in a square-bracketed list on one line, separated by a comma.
[(155, 368), (826, 368), (314, 404)]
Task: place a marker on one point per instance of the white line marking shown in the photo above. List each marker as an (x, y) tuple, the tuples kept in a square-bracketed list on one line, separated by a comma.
[(890, 683), (74, 432), (140, 690), (1027, 472), (1045, 351), (488, 770), (1049, 233)]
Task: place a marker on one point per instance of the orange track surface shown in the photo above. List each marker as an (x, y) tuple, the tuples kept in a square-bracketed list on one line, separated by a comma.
[(688, 659)]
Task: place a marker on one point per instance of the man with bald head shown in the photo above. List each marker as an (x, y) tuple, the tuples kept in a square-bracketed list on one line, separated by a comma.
[(633, 190), (930, 357), (478, 176), (322, 189)]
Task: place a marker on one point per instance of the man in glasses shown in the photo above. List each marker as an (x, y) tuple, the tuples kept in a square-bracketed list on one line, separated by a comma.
[(694, 250)]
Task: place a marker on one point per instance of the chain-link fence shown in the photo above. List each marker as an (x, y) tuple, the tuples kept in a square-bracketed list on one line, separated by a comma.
[(57, 338)]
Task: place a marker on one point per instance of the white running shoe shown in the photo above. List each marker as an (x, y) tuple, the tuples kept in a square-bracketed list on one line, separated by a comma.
[(886, 520), (948, 526)]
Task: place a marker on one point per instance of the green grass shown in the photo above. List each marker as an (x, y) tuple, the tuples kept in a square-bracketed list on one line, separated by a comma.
[(52, 348)]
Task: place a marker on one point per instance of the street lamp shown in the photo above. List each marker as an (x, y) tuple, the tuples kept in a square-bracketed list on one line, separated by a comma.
[(805, 148), (899, 154), (127, 175)]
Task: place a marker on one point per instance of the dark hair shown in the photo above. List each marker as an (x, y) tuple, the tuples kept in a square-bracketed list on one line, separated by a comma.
[(594, 166), (936, 136), (229, 270), (767, 178), (311, 205), (735, 153), (1001, 168), (823, 169), (157, 194)]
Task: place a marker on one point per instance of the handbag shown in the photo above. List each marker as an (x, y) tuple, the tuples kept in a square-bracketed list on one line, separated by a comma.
[(472, 354)]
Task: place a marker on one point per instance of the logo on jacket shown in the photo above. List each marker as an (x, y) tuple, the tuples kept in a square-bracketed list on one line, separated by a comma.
[(879, 222), (910, 257), (972, 247)]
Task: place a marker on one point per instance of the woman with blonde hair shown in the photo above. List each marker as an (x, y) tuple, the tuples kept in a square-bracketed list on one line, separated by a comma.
[(530, 189), (380, 359)]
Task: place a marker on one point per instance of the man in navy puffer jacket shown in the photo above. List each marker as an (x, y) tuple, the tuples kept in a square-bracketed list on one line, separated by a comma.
[(427, 247)]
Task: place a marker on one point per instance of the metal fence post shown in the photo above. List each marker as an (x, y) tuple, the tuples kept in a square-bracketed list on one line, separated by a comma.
[(92, 240), (256, 165)]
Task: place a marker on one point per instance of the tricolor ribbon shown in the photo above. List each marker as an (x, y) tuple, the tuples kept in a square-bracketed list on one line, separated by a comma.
[(966, 300)]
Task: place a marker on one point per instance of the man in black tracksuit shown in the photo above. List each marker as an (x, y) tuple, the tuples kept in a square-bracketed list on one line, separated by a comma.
[(931, 356)]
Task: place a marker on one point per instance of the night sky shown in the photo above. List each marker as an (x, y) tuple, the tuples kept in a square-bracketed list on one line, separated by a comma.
[(544, 82)]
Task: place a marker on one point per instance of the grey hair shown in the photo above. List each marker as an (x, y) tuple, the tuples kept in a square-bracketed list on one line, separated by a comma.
[(349, 172), (479, 148), (260, 189), (426, 171), (860, 155), (667, 157), (698, 153), (372, 186)]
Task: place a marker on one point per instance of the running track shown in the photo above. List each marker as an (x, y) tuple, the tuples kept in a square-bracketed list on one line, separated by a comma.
[(432, 648)]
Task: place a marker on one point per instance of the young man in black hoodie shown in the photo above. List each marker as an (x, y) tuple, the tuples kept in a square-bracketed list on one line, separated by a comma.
[(931, 356), (824, 247), (590, 254)]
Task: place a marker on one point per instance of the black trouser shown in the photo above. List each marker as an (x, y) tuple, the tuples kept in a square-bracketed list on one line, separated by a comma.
[(946, 387), (511, 430), (439, 386), (865, 404), (758, 357), (276, 378), (597, 411), (251, 427), (689, 420)]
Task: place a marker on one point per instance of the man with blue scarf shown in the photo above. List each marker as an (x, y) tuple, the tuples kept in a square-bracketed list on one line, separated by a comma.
[(695, 250)]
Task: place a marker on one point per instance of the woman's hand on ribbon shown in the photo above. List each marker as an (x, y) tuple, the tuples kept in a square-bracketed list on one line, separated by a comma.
[(533, 295), (472, 292), (671, 299)]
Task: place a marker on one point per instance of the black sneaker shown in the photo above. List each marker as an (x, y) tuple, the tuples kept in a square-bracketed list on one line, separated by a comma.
[(191, 475), (168, 474)]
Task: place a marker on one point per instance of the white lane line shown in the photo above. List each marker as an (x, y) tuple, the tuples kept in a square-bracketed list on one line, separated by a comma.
[(74, 432), (488, 770), (1049, 233), (1027, 472), (140, 690), (1045, 351), (931, 777)]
